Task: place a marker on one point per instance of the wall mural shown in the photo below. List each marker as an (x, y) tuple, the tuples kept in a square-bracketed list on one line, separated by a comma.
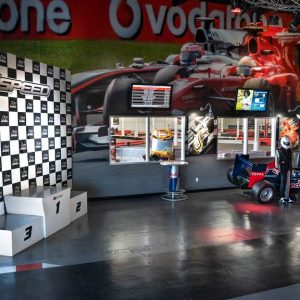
[(208, 73), (35, 125), (209, 59)]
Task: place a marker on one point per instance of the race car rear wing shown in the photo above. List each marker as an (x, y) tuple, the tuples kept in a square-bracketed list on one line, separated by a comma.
[(241, 164)]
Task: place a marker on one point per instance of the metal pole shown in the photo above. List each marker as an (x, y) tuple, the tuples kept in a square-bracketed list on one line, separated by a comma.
[(237, 128), (256, 135), (273, 136), (182, 154), (122, 126), (175, 131), (147, 138), (222, 125), (245, 136)]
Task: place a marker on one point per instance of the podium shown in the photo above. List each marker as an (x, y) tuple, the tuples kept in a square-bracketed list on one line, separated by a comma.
[(51, 203), (17, 232), (78, 204)]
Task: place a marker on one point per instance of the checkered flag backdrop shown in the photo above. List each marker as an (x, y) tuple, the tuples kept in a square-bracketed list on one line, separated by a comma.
[(35, 131)]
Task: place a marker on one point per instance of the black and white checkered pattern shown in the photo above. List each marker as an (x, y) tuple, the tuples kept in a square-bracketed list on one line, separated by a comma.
[(35, 131)]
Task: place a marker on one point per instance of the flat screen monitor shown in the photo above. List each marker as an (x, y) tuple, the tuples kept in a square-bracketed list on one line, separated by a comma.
[(251, 100), (151, 96)]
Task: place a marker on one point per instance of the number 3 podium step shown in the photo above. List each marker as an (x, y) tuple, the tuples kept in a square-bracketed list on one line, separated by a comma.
[(18, 232)]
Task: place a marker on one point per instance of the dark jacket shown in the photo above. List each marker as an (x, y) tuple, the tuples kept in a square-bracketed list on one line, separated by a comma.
[(285, 159)]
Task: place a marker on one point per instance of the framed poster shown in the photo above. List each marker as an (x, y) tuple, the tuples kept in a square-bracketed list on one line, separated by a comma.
[(290, 127), (202, 135)]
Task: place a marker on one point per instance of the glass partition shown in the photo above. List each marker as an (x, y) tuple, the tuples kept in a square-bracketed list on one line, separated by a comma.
[(253, 136), (146, 139), (230, 137), (259, 137), (165, 138), (128, 139)]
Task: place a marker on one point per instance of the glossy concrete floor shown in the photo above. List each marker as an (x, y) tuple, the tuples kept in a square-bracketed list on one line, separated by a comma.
[(215, 245)]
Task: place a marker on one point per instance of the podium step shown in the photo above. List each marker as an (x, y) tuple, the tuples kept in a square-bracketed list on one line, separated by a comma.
[(18, 232), (78, 204), (52, 203)]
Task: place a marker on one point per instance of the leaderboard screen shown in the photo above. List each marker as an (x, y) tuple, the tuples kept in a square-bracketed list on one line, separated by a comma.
[(151, 96), (251, 100)]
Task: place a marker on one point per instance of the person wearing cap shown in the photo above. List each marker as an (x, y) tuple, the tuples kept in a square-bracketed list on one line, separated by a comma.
[(283, 161)]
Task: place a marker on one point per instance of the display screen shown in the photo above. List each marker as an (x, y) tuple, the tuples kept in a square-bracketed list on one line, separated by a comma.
[(251, 100), (151, 96)]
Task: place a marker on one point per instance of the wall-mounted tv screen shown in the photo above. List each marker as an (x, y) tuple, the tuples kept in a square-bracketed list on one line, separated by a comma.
[(251, 100), (151, 96)]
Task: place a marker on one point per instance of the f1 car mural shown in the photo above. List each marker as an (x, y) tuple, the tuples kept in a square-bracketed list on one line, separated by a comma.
[(98, 94), (89, 108), (272, 64), (209, 72), (262, 179)]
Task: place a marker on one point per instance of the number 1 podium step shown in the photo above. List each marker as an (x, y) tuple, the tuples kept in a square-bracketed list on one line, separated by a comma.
[(18, 232), (52, 203)]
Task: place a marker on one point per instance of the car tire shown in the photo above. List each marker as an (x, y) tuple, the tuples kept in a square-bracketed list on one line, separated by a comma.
[(168, 74), (263, 84), (116, 99), (230, 177), (263, 192)]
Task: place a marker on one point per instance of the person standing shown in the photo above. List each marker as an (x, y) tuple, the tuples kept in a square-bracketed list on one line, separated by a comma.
[(246, 102), (283, 161)]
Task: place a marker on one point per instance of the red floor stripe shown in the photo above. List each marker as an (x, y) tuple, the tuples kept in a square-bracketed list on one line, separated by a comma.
[(29, 267)]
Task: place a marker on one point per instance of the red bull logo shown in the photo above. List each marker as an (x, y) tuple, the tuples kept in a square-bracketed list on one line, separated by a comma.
[(273, 170), (295, 185), (173, 175)]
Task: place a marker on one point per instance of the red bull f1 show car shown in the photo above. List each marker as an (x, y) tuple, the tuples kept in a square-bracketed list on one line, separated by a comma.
[(263, 180)]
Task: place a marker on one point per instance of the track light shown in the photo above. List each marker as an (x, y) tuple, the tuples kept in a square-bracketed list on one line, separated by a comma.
[(297, 108), (178, 2), (236, 7), (207, 110), (274, 20), (293, 26)]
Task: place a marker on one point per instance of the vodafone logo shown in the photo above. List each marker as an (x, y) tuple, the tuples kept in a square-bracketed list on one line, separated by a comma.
[(156, 19), (125, 32), (128, 17), (19, 14)]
